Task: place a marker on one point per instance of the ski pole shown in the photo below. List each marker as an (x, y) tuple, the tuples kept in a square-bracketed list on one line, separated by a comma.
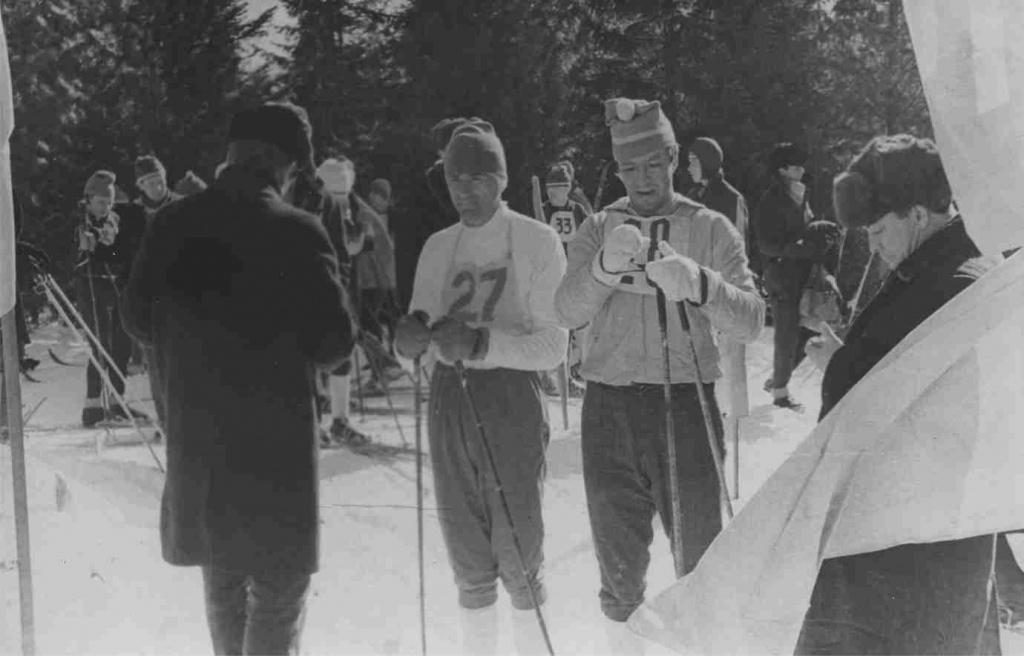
[(460, 371), (104, 398), (69, 307), (670, 441), (418, 413), (102, 371), (705, 409)]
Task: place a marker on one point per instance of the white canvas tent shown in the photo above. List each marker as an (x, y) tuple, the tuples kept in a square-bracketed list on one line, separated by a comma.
[(927, 446)]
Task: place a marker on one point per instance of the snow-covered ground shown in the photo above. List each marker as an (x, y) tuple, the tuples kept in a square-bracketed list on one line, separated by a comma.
[(101, 587)]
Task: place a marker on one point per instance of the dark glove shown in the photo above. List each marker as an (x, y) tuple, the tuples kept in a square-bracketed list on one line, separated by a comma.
[(457, 341), (412, 335), (821, 236), (33, 256)]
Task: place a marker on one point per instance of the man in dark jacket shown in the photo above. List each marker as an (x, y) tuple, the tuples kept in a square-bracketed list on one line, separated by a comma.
[(780, 223), (239, 295), (932, 598)]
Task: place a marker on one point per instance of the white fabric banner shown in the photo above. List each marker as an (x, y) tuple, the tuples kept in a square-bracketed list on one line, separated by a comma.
[(925, 448), (971, 58)]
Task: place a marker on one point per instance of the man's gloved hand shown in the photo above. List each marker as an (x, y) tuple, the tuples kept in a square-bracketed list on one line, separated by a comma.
[(456, 340), (677, 275), (412, 334), (616, 257)]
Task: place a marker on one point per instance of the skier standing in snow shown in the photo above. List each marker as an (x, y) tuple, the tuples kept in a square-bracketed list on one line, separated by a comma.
[(486, 288), (239, 337), (564, 215), (625, 467), (333, 203), (934, 598), (107, 237)]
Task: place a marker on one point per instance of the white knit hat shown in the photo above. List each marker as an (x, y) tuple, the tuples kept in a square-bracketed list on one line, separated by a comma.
[(338, 176)]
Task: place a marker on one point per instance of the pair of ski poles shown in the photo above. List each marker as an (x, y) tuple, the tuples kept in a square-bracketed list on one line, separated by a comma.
[(83, 333)]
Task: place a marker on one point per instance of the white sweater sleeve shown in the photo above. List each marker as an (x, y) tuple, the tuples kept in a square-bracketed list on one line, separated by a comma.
[(544, 347), (430, 272)]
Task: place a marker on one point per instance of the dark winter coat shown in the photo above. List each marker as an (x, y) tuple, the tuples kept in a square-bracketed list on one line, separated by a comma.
[(786, 258), (239, 296), (933, 274)]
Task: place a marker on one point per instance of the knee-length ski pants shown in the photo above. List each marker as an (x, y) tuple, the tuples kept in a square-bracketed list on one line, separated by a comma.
[(476, 533)]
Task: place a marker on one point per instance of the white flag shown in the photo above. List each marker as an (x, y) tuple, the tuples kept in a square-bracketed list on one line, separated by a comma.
[(971, 58), (8, 292)]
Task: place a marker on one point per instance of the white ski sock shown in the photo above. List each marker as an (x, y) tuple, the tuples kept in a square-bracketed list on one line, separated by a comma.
[(341, 392), (479, 631), (780, 392)]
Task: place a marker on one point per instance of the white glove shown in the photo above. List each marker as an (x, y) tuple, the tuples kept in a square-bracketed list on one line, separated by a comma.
[(616, 258), (677, 275)]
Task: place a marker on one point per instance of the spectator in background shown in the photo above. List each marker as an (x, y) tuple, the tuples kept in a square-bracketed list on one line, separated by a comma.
[(336, 177), (780, 223), (375, 277), (151, 180), (108, 235)]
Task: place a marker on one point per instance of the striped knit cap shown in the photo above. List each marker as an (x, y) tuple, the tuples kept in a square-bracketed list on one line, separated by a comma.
[(638, 127)]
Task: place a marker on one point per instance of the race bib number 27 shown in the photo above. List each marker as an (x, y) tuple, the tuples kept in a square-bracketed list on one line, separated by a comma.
[(476, 293)]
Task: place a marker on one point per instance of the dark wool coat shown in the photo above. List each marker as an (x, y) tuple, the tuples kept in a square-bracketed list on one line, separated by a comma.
[(915, 598), (786, 258), (239, 296), (937, 271)]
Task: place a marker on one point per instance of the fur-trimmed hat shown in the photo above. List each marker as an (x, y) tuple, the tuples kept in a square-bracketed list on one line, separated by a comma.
[(892, 174), (475, 149), (709, 153), (638, 127), (148, 165), (101, 183), (283, 125)]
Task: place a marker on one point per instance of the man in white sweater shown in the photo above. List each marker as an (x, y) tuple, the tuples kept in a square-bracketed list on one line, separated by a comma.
[(651, 238), (484, 296)]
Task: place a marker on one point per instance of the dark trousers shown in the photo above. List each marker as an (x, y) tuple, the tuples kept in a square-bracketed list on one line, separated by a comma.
[(626, 474), (255, 613), (105, 323), (790, 338), (476, 532), (935, 598), (1009, 579)]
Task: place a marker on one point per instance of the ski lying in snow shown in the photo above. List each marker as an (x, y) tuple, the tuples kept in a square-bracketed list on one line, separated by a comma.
[(63, 362)]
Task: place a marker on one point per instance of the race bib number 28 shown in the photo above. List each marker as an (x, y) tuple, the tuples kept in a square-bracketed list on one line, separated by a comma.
[(657, 231)]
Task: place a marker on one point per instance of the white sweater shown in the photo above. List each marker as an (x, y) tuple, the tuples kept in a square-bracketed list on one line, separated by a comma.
[(538, 262)]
